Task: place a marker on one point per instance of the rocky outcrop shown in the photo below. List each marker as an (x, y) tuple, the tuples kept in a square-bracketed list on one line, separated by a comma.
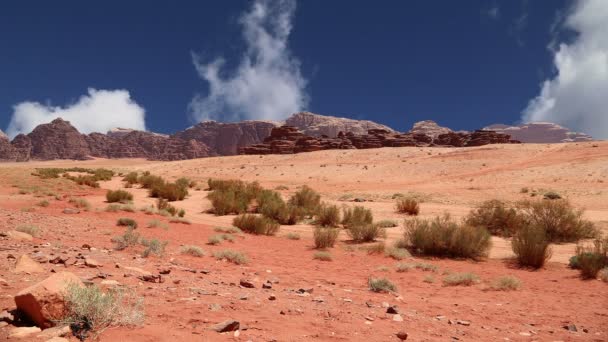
[(430, 128), (540, 132), (288, 140), (316, 125), (226, 138), (58, 140), (3, 136)]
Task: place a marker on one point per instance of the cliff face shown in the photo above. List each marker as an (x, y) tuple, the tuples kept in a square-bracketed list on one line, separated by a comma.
[(316, 125), (58, 140), (540, 132)]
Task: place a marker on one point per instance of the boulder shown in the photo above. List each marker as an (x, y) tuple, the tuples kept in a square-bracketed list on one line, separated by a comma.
[(25, 264), (44, 302)]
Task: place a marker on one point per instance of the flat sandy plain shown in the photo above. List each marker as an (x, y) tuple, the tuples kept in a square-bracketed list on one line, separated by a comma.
[(341, 308)]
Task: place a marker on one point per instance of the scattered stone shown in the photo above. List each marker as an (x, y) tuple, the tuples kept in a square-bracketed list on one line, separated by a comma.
[(368, 318), (205, 271), (90, 262), (7, 317), (571, 327), (392, 310), (385, 304), (151, 278), (71, 211), (19, 236), (3, 282), (318, 299), (86, 246), (59, 260), (267, 285), (397, 318), (305, 290), (226, 326), (402, 335), (25, 264), (23, 332), (246, 283), (55, 332), (272, 297), (165, 271), (44, 302)]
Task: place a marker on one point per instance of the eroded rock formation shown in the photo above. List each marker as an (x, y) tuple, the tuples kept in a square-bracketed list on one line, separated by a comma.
[(540, 132), (322, 125)]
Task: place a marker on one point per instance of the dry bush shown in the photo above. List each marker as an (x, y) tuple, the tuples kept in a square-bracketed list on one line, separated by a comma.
[(387, 224), (148, 181), (256, 224), (231, 256), (442, 236), (408, 206), (461, 279), (215, 239), (560, 221), (131, 178), (97, 310), (506, 283), (271, 205), (125, 221), (158, 224), (169, 191), (113, 196), (80, 203), (325, 237), (376, 248), (229, 230), (592, 259), (398, 253), (357, 216), (293, 236), (28, 229), (381, 285), (496, 217), (307, 199), (322, 255), (43, 203), (192, 250), (531, 246), (153, 246), (128, 239), (327, 216), (366, 233)]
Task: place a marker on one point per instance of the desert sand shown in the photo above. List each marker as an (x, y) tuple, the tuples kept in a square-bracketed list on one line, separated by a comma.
[(340, 307)]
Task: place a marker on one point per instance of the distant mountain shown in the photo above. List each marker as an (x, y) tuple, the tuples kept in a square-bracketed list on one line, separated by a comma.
[(317, 125), (430, 128), (3, 136), (540, 132)]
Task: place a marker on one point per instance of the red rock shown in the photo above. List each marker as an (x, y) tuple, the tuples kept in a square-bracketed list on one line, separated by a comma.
[(319, 125), (44, 302), (58, 140), (25, 264)]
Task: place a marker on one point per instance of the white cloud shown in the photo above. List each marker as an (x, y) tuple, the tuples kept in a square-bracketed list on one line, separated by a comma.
[(98, 111), (267, 84), (576, 96)]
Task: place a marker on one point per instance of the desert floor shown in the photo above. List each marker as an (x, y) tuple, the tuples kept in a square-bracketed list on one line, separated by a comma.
[(340, 307)]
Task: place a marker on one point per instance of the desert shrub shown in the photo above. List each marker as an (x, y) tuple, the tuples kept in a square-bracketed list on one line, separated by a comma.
[(91, 307), (322, 255), (153, 246), (169, 191), (113, 196), (428, 279), (357, 216), (157, 224), (387, 224), (103, 174), (558, 219), (381, 285), (131, 178), (181, 213), (128, 239), (231, 256), (325, 237), (407, 206), (327, 215), (531, 246), (603, 274), (496, 217), (80, 203), (192, 250), (148, 181), (43, 203), (591, 259), (401, 243), (293, 236), (403, 267), (149, 210), (229, 201), (183, 182), (271, 205), (506, 283), (256, 224), (28, 229), (307, 199), (46, 173), (552, 195), (229, 230), (397, 253), (215, 239), (125, 221), (460, 279), (444, 237), (365, 233)]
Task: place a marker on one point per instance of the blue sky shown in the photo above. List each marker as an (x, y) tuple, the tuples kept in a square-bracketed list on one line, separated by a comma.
[(464, 64)]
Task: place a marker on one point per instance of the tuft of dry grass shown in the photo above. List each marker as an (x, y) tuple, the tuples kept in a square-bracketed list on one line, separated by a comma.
[(461, 279), (192, 250), (325, 237), (407, 206), (231, 256), (381, 285), (28, 229), (322, 255), (505, 283)]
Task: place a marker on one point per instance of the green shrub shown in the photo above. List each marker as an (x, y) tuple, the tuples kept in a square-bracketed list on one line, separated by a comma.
[(327, 216), (357, 216), (153, 246), (381, 285), (92, 307), (558, 219), (169, 191), (148, 181), (28, 229), (325, 237), (231, 256), (128, 239), (322, 255), (229, 201), (444, 237), (307, 199), (271, 205), (496, 217), (131, 178), (118, 196), (531, 246), (125, 221), (365, 233), (590, 260), (181, 213), (461, 279), (407, 206), (256, 224), (192, 250), (506, 283)]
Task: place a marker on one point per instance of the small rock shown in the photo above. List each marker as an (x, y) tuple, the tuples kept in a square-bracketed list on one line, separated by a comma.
[(26, 265), (465, 323), (385, 304), (397, 318), (267, 285), (23, 332), (90, 262), (229, 325), (164, 271), (571, 327), (392, 310), (402, 335), (20, 236), (246, 283), (305, 290), (272, 297), (86, 246), (318, 299), (110, 283), (367, 318), (3, 282)]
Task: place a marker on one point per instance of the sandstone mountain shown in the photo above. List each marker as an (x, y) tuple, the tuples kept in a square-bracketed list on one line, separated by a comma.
[(318, 125), (430, 128), (540, 132)]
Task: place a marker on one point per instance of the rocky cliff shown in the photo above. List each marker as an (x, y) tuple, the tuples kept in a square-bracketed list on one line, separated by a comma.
[(316, 125), (430, 128), (540, 132)]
